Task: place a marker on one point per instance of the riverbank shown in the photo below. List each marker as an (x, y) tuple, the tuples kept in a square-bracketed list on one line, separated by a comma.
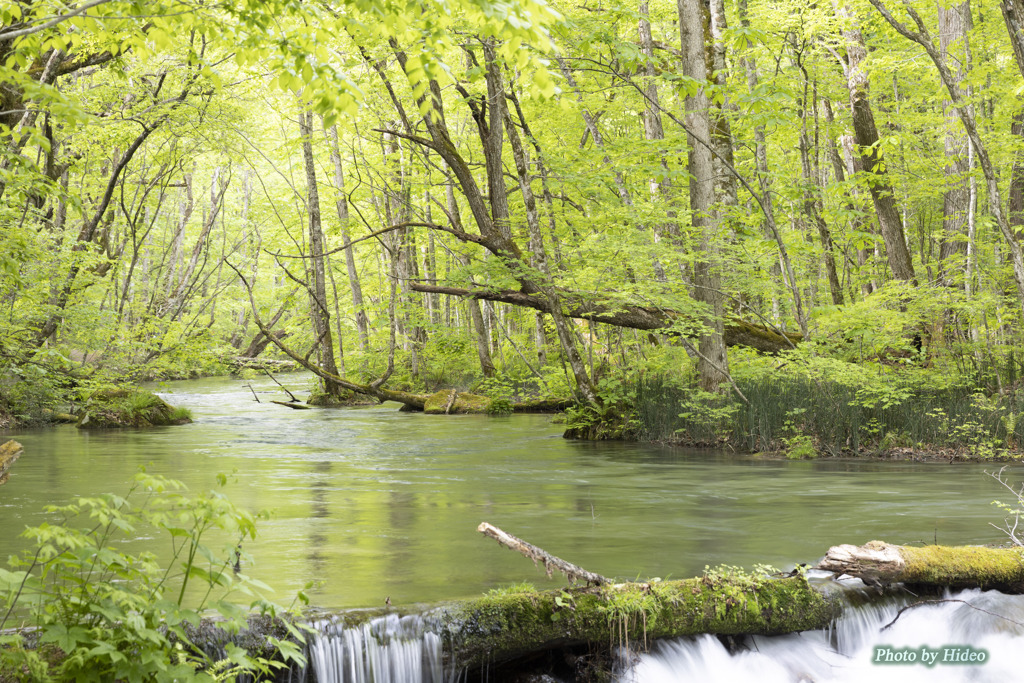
[(804, 417), (371, 503)]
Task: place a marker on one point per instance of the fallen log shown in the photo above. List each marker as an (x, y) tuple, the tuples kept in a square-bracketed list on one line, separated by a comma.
[(471, 402), (737, 332), (9, 452), (954, 567), (239, 363), (501, 626)]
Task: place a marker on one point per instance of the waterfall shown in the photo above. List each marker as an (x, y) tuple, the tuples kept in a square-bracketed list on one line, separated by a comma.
[(388, 649), (874, 642), (932, 643)]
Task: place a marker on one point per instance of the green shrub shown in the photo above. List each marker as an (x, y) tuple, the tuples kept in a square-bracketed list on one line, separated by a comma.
[(101, 614), (841, 414)]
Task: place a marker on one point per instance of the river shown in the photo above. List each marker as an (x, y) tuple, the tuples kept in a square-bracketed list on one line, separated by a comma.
[(372, 503)]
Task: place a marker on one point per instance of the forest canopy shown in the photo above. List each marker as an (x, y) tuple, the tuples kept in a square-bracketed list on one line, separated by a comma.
[(522, 199)]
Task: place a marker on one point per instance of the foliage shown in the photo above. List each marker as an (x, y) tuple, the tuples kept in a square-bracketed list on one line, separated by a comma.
[(100, 613), (832, 409), (118, 266)]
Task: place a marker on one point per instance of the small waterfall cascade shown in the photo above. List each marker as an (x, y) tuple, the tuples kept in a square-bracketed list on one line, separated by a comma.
[(933, 643), (387, 649)]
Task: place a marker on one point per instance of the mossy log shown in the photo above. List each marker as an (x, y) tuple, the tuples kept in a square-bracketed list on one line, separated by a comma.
[(955, 567), (737, 332), (503, 626), (112, 408), (453, 402), (543, 405), (9, 452)]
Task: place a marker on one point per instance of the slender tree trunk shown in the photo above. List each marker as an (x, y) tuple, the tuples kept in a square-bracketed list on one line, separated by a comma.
[(318, 289), (721, 130), (869, 150), (954, 26), (812, 191), (483, 350), (654, 130), (1016, 189), (176, 301), (186, 207), (764, 178), (341, 204), (712, 363)]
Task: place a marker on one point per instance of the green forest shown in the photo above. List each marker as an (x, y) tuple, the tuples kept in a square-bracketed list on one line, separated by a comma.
[(779, 226)]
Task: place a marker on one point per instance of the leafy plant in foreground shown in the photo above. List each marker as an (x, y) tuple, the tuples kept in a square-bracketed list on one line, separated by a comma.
[(102, 614)]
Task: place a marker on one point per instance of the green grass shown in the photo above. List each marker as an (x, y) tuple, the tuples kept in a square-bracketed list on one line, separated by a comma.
[(839, 418)]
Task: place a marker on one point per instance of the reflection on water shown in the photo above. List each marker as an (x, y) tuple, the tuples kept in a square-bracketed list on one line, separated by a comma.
[(372, 503)]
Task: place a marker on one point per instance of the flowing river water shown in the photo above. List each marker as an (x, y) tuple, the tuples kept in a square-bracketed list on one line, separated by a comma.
[(371, 503)]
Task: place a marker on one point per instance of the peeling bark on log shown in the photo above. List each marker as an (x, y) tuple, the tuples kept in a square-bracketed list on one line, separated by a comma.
[(737, 332), (9, 452), (572, 572), (955, 567)]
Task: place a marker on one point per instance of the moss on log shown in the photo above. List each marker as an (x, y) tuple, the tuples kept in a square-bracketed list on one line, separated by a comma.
[(505, 625), (543, 405), (453, 402), (955, 567), (9, 452), (621, 314), (113, 408)]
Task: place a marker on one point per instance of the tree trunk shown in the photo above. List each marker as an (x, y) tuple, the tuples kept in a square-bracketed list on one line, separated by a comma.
[(866, 135), (811, 200), (362, 323), (954, 26), (483, 349), (721, 130), (324, 340), (1013, 16), (661, 191), (712, 363)]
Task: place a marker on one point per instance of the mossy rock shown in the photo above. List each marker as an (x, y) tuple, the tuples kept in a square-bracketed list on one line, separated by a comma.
[(464, 403), (112, 408)]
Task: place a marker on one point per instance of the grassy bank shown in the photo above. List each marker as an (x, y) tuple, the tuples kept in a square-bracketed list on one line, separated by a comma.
[(803, 417)]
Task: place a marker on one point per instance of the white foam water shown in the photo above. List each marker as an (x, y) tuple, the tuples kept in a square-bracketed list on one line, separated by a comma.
[(388, 649), (860, 648)]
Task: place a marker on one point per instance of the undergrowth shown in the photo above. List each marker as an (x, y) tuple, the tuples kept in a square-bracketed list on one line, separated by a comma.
[(801, 416), (77, 607)]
